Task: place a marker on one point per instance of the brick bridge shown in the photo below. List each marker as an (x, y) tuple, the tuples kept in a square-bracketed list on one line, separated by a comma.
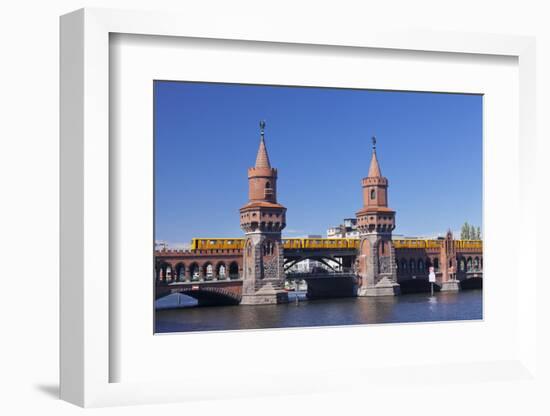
[(213, 276)]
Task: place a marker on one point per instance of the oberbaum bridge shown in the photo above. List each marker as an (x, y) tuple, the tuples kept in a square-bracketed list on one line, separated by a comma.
[(252, 270)]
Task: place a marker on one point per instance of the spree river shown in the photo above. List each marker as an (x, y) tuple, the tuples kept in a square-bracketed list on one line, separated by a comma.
[(420, 307)]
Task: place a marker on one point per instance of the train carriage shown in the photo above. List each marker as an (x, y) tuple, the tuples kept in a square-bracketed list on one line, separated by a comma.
[(288, 243)]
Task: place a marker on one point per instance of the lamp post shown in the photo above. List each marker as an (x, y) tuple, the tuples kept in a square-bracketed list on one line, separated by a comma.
[(431, 278)]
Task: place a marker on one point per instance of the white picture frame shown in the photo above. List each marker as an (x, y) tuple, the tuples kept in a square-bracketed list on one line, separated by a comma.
[(86, 291)]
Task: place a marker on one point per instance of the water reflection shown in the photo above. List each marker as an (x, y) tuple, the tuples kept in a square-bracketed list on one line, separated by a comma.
[(443, 306)]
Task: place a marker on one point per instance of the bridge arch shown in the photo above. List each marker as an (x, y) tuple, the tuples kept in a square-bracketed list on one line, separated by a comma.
[(233, 270), (209, 296), (208, 271), (221, 270), (164, 271), (179, 271), (428, 263), (194, 271)]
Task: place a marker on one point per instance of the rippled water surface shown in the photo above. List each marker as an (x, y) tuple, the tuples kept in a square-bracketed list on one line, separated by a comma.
[(443, 306)]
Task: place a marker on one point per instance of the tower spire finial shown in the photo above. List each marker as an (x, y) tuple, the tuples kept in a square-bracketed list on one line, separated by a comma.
[(374, 169), (262, 128), (262, 159)]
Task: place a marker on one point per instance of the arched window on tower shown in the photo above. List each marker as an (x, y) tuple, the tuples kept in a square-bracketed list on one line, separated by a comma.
[(372, 194), (268, 248), (268, 192)]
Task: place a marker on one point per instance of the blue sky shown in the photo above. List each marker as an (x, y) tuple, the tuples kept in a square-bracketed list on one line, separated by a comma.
[(206, 136)]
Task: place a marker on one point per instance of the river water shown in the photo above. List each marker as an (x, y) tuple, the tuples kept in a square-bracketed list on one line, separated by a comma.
[(420, 307)]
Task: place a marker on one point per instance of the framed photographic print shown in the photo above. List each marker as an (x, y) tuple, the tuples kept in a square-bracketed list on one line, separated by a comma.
[(233, 201)]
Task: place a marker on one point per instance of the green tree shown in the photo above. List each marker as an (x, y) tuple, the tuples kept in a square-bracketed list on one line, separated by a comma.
[(472, 232), (478, 233), (465, 231)]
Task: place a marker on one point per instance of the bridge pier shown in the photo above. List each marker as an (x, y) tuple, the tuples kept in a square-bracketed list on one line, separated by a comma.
[(450, 286), (385, 287), (265, 296)]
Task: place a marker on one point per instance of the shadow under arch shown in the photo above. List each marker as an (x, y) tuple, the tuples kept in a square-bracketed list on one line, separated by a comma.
[(209, 296), (472, 283)]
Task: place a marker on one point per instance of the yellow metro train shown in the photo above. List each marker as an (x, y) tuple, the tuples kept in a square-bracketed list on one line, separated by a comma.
[(325, 243), (459, 244), (288, 243)]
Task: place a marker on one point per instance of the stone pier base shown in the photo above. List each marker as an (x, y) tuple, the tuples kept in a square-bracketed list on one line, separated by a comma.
[(450, 286), (265, 298), (384, 288)]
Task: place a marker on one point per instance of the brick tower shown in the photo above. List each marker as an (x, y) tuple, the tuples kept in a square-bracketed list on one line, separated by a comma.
[(262, 220), (449, 264), (375, 221)]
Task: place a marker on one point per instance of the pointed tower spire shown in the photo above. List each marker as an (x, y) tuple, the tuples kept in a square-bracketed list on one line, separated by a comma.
[(262, 159), (374, 170)]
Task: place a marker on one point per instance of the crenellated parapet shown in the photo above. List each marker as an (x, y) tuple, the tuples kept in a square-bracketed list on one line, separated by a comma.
[(196, 253), (262, 217)]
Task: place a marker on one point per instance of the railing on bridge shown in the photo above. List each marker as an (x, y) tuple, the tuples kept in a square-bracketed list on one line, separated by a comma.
[(196, 282), (199, 279)]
